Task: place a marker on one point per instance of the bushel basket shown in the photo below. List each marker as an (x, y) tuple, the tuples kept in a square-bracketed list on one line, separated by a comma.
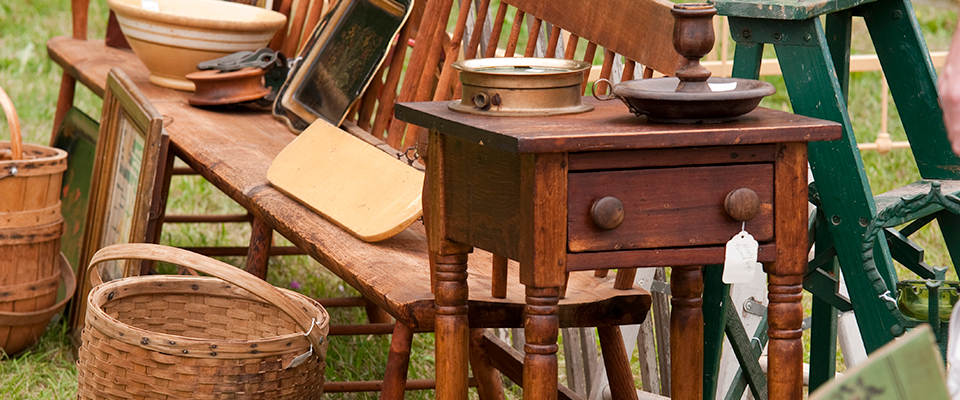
[(31, 266), (186, 337)]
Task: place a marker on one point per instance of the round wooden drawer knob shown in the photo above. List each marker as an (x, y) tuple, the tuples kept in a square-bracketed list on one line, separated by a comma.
[(607, 212), (742, 204)]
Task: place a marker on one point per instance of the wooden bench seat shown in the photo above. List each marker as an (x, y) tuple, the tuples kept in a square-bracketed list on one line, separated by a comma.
[(233, 150)]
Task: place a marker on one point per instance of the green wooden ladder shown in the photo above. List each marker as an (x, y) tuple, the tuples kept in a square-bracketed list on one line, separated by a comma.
[(815, 61)]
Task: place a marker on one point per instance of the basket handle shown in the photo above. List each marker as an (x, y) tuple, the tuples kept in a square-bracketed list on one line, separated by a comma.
[(215, 268), (16, 143)]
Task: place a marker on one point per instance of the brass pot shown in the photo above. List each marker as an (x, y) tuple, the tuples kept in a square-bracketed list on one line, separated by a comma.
[(521, 86)]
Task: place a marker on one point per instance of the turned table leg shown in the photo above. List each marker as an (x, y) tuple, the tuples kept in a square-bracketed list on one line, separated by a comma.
[(686, 332), (785, 362), (541, 326), (452, 327)]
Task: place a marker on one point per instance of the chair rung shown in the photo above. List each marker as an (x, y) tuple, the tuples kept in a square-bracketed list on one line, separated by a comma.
[(363, 329), (376, 386), (334, 302), (212, 251), (182, 219), (183, 171)]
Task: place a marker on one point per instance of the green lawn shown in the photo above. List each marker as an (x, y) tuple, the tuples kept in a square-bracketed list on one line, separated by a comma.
[(32, 80)]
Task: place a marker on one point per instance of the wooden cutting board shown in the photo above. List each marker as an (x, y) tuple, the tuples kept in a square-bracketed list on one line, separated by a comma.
[(350, 182)]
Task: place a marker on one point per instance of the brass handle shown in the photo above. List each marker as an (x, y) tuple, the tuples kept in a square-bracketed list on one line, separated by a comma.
[(742, 204), (607, 213)]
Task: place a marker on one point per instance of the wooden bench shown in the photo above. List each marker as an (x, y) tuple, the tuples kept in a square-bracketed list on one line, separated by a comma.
[(233, 149)]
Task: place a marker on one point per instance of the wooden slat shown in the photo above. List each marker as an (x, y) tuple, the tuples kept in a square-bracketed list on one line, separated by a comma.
[(514, 34), (495, 32), (447, 73), (473, 46), (552, 42), (533, 37)]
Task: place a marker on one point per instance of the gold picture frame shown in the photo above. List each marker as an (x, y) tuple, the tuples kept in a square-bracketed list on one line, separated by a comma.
[(123, 180)]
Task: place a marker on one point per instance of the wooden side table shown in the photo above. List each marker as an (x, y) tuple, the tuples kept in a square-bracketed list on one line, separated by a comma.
[(525, 188)]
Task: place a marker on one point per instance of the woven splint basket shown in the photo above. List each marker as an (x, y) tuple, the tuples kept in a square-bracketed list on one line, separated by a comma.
[(186, 337), (31, 266)]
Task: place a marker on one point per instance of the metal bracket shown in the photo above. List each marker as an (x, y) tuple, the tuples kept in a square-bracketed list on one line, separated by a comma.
[(754, 307)]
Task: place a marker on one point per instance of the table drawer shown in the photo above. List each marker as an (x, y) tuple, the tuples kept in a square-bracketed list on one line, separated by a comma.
[(667, 207)]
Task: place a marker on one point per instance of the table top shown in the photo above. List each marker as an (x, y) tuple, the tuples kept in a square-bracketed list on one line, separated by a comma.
[(611, 126)]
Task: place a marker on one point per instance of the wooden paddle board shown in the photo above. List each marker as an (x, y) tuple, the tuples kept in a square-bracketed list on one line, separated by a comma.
[(350, 182)]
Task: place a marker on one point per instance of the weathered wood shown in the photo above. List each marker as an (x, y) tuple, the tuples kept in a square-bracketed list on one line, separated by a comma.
[(580, 358), (661, 315), (649, 376)]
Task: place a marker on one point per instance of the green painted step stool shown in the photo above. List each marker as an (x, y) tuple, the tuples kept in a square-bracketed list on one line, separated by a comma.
[(815, 60)]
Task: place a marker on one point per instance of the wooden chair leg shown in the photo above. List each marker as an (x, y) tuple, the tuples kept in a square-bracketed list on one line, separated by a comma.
[(398, 361), (617, 363), (261, 236), (489, 384), (68, 87)]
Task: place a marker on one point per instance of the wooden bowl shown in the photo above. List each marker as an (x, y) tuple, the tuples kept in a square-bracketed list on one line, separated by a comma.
[(172, 36)]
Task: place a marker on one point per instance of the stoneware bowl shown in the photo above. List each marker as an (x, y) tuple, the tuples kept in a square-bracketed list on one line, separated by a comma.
[(172, 36)]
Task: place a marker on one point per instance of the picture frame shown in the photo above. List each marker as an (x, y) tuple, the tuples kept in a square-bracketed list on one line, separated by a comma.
[(339, 61), (123, 180), (77, 135)]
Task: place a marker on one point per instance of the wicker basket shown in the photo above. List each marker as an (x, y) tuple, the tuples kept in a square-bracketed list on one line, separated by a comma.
[(30, 230), (184, 337)]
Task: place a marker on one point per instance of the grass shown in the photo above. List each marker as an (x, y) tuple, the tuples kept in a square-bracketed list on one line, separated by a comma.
[(47, 370)]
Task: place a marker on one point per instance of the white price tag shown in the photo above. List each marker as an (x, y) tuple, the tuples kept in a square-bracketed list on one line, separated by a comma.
[(740, 263)]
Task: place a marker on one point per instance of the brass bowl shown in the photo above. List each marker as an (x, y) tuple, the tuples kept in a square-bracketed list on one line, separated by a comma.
[(914, 296), (521, 86)]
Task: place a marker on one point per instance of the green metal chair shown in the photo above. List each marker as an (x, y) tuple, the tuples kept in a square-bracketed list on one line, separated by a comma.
[(852, 230)]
